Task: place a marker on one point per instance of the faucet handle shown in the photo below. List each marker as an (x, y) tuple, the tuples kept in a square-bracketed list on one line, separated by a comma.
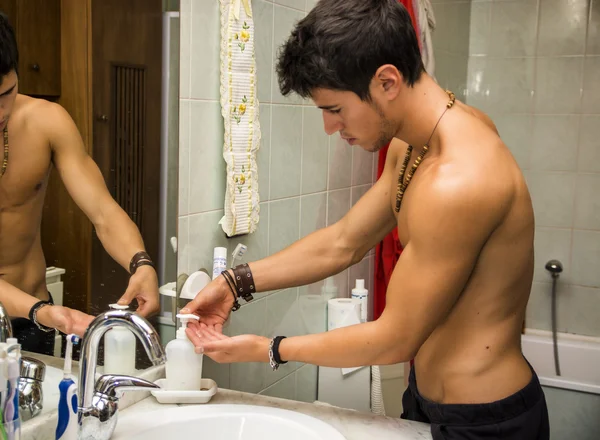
[(112, 385)]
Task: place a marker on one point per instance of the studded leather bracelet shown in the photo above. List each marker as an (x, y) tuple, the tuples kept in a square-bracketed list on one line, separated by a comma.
[(244, 282)]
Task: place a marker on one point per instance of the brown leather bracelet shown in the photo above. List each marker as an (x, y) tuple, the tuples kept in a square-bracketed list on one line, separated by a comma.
[(140, 259), (244, 281), (231, 284)]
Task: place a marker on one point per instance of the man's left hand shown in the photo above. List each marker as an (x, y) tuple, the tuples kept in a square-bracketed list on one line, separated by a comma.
[(143, 286), (212, 342)]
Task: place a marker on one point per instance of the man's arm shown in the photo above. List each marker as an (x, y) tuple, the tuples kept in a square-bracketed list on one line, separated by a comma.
[(18, 304), (449, 224), (323, 253), (330, 250), (84, 182)]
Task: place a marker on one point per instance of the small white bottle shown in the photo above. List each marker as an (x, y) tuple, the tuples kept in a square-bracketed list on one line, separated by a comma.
[(219, 261), (184, 366), (119, 349), (359, 292)]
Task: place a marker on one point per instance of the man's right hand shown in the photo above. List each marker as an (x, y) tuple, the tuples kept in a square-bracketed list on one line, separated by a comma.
[(212, 304), (64, 319)]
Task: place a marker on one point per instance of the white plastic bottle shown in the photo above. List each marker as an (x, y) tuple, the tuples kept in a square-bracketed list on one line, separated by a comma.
[(184, 366), (119, 349), (359, 292), (219, 261)]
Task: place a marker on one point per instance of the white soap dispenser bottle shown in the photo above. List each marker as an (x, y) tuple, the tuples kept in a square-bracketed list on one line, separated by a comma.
[(359, 292), (119, 349), (184, 366)]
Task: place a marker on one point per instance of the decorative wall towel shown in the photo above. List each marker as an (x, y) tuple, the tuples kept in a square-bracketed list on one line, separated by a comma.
[(239, 107)]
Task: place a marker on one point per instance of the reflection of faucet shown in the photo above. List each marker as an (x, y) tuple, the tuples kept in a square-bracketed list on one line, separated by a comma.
[(5, 325), (98, 406), (31, 397)]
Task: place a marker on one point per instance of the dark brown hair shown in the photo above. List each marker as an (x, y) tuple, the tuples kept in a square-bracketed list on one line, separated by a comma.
[(340, 45)]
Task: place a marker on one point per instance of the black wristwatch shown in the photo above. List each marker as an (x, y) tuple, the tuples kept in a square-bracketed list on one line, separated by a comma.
[(33, 315)]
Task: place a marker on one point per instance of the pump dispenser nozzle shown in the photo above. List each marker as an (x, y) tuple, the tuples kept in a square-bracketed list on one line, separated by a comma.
[(184, 322)]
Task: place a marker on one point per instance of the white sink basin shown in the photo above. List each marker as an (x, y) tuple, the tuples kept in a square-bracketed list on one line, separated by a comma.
[(223, 422)]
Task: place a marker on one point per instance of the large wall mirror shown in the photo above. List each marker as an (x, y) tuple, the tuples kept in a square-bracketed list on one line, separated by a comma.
[(113, 66)]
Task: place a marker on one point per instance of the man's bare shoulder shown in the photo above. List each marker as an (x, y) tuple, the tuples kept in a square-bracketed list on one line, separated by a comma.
[(44, 117)]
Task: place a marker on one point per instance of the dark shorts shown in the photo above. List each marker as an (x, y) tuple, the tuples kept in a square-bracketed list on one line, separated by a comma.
[(522, 416), (31, 338)]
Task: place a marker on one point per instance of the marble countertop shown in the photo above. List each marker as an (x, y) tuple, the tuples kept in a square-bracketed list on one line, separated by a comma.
[(351, 424)]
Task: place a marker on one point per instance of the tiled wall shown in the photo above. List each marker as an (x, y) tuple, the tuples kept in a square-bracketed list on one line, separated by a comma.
[(534, 66), (307, 180), (451, 44)]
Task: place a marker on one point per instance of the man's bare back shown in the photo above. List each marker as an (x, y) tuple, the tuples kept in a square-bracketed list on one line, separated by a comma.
[(22, 192), (474, 355)]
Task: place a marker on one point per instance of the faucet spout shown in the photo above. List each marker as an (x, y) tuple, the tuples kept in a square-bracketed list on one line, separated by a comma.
[(5, 325), (91, 339)]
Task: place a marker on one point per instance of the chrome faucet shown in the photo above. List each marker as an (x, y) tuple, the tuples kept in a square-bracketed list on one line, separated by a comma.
[(31, 394), (98, 405), (5, 325)]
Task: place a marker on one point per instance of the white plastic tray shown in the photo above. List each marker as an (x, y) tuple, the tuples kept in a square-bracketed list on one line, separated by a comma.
[(208, 389)]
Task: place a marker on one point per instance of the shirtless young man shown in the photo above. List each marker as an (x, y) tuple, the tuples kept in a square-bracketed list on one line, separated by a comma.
[(456, 300), (35, 135)]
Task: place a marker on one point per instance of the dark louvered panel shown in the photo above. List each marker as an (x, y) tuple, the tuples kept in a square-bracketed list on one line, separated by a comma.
[(129, 138)]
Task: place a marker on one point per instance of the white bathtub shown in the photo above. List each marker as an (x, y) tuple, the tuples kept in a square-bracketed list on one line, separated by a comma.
[(579, 358), (573, 398)]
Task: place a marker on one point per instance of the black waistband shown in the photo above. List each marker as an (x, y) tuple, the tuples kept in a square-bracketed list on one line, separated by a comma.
[(479, 413)]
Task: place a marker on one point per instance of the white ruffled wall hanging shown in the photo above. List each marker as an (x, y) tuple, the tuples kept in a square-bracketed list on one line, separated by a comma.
[(239, 107)]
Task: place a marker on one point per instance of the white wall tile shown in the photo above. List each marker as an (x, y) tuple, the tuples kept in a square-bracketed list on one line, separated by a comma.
[(589, 144), (555, 142), (481, 23), (205, 50), (286, 151), (562, 27), (338, 205), (284, 223), (591, 85), (284, 389), (553, 196), (516, 132), (340, 163), (306, 383), (513, 29), (362, 166), (296, 4), (249, 319), (558, 85), (315, 152), (205, 234), (313, 209), (207, 166), (263, 39), (586, 254), (587, 203), (577, 308)]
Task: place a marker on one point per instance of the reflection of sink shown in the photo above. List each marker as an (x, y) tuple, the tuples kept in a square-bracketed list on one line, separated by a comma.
[(50, 388), (224, 422)]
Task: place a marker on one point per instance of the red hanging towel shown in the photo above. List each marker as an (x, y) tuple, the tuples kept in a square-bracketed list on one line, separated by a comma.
[(388, 251)]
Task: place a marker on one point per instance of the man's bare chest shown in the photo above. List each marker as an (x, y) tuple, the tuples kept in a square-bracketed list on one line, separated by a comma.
[(27, 172)]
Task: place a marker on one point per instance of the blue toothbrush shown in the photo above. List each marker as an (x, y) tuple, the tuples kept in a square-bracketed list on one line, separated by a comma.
[(66, 428)]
